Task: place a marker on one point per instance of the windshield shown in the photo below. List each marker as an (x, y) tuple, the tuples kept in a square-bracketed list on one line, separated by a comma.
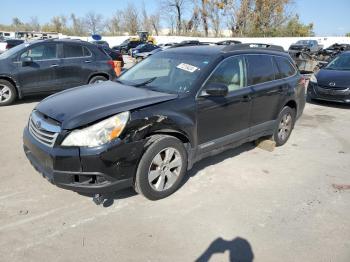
[(304, 42), (341, 62), (13, 51), (166, 72)]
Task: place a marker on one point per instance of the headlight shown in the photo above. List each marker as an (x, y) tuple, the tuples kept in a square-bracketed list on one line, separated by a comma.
[(98, 134), (313, 79)]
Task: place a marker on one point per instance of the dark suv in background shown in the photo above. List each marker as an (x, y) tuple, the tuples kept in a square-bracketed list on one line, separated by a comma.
[(48, 66), (164, 114)]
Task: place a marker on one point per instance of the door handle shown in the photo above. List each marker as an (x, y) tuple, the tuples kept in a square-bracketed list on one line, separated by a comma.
[(87, 61), (54, 65), (246, 98)]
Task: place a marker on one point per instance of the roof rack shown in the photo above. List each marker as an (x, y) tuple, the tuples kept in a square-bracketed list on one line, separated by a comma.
[(236, 47)]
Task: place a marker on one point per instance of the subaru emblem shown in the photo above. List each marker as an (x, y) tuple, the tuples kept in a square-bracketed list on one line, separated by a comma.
[(38, 124)]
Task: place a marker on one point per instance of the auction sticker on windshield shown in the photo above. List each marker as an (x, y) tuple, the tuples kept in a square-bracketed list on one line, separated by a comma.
[(187, 67)]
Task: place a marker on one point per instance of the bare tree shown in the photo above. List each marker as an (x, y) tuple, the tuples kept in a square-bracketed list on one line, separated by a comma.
[(215, 14), (17, 23), (34, 24), (146, 23), (114, 25), (177, 8), (193, 24), (94, 23), (155, 22), (77, 28), (131, 19), (204, 16), (58, 24)]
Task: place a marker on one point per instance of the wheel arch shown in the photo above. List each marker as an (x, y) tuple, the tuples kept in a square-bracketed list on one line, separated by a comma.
[(13, 82), (99, 74), (292, 104)]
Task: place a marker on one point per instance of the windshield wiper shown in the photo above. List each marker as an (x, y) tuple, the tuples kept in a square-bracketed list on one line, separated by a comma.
[(145, 82)]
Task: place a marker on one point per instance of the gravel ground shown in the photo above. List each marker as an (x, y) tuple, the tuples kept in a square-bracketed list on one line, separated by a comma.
[(292, 204)]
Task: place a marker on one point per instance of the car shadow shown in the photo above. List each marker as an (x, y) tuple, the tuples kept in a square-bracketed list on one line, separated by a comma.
[(30, 99), (108, 199), (213, 160), (239, 250)]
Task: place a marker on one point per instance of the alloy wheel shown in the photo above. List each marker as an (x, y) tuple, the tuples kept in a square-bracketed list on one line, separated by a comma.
[(5, 93), (165, 169), (285, 127)]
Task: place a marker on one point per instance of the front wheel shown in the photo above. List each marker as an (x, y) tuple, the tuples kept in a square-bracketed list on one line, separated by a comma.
[(8, 93), (285, 125), (162, 168)]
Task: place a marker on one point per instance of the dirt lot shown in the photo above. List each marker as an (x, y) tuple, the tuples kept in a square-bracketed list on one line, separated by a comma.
[(287, 205)]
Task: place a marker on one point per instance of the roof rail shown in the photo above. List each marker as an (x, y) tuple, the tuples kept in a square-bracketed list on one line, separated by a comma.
[(236, 47)]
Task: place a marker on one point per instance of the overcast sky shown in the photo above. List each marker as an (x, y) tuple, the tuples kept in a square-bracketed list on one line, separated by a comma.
[(330, 18)]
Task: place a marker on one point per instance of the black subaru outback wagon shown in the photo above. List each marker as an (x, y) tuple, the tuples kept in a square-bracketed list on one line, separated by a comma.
[(163, 115)]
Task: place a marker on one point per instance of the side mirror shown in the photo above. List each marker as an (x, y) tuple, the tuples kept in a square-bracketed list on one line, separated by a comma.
[(27, 61), (215, 89)]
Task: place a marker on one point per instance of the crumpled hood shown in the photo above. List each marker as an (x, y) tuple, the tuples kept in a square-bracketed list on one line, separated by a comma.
[(86, 104), (338, 77)]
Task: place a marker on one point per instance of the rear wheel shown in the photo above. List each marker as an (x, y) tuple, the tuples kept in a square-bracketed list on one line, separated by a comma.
[(97, 79), (285, 125), (8, 93), (162, 168)]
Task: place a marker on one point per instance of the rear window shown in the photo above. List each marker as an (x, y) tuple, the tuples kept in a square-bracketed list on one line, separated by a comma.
[(285, 68), (260, 69), (71, 51)]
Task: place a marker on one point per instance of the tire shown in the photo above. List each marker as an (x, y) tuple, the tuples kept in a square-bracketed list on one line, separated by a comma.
[(97, 79), (8, 93), (161, 168), (286, 120)]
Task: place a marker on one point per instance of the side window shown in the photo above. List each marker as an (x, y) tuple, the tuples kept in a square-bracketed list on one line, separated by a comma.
[(230, 72), (87, 51), (260, 69), (71, 51), (41, 52), (285, 68)]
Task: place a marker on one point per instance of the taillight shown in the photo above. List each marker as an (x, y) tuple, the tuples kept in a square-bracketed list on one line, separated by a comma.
[(8, 46), (111, 63)]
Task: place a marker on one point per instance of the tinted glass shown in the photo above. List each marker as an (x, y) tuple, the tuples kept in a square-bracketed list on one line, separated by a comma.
[(73, 51), (41, 52), (231, 72), (87, 52), (341, 62), (260, 69), (285, 68)]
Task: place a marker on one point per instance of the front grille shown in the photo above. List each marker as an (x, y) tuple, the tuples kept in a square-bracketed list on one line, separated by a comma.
[(43, 130), (333, 91)]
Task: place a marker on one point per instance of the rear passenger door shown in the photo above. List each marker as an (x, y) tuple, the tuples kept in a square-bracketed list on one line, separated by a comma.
[(77, 65), (267, 92)]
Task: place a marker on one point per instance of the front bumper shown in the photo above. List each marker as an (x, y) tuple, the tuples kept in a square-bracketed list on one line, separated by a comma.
[(313, 91), (105, 169)]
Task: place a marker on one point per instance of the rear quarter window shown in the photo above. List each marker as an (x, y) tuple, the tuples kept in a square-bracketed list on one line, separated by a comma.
[(260, 69), (285, 68), (72, 50)]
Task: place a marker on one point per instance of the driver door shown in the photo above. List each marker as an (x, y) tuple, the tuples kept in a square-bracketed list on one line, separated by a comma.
[(225, 119)]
